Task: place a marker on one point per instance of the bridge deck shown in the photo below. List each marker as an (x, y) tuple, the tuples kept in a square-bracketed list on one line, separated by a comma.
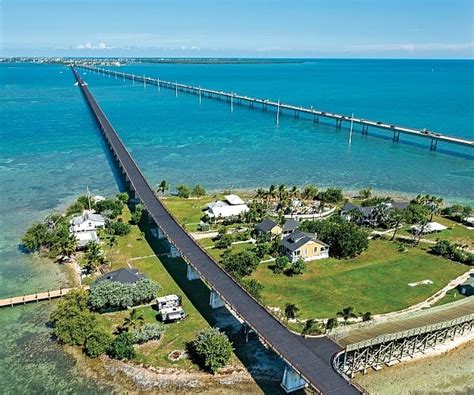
[(407, 322), (313, 360)]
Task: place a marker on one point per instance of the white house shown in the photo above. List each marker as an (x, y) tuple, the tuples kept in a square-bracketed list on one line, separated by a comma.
[(84, 238), (86, 222), (231, 206)]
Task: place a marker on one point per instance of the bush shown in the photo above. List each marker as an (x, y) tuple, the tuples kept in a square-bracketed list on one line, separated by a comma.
[(224, 241), (113, 294), (113, 207), (199, 191), (280, 264), (147, 332), (97, 343), (119, 228), (137, 214), (71, 320), (331, 195), (253, 287), (331, 323), (122, 347), (261, 249), (123, 197), (298, 267), (75, 208), (183, 191), (212, 349), (240, 264), (450, 251), (312, 327)]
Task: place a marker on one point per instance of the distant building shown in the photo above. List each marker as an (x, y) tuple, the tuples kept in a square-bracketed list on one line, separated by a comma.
[(124, 276), (430, 227), (303, 245), (467, 288), (289, 227), (231, 206), (365, 215), (84, 238), (268, 228), (86, 222)]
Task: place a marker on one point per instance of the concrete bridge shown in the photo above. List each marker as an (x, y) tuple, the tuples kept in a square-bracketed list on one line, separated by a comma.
[(392, 130), (309, 362)]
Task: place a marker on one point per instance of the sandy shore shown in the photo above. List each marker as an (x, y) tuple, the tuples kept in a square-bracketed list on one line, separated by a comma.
[(440, 372)]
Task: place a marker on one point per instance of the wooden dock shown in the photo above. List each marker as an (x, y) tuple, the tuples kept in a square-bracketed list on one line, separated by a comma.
[(37, 297), (264, 104)]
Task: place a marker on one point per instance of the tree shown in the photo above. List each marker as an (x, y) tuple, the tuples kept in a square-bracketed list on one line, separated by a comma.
[(183, 191), (199, 191), (71, 320), (298, 267), (282, 193), (346, 313), (122, 346), (312, 327), (67, 247), (396, 217), (224, 241), (98, 342), (280, 264), (135, 320), (240, 264), (381, 214), (367, 316), (365, 193), (331, 323), (212, 349), (35, 237), (112, 241), (123, 197), (119, 228), (163, 186), (137, 214), (75, 208), (261, 249), (111, 207), (331, 195), (310, 192), (291, 311), (415, 213), (253, 287), (93, 257)]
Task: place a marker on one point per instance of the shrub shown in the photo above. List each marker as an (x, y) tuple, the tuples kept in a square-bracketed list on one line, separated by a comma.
[(148, 332), (298, 267), (122, 347), (123, 197), (183, 191), (113, 207), (97, 343), (212, 349), (331, 323), (137, 214), (112, 294), (312, 327), (224, 241), (261, 249), (199, 191), (119, 228), (280, 264), (75, 208), (240, 264), (253, 287), (450, 251)]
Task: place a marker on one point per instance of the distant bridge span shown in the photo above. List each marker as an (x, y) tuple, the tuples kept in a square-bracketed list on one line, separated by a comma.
[(278, 107), (310, 361)]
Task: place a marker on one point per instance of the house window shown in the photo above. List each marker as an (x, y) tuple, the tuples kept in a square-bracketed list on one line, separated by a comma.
[(297, 252), (305, 252), (315, 249)]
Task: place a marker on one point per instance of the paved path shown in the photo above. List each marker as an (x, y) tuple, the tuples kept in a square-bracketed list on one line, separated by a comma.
[(310, 358)]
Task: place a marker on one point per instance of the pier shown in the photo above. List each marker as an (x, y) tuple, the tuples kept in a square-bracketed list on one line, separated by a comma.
[(393, 131), (35, 298)]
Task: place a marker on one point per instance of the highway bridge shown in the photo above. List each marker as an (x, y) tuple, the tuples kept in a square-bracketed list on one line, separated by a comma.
[(309, 361), (392, 130)]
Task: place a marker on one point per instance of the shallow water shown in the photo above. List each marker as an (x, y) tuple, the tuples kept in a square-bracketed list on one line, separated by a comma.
[(51, 152)]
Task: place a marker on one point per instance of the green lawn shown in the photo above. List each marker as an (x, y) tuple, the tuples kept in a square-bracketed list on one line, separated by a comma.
[(451, 296), (177, 334), (456, 232), (377, 281)]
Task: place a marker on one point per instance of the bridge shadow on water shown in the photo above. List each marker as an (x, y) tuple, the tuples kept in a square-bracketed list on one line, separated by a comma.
[(264, 366)]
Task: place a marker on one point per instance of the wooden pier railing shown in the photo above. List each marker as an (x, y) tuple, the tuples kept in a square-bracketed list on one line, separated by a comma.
[(37, 297)]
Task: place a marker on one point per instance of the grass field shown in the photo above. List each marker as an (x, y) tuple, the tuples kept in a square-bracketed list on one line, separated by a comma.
[(377, 281), (131, 247), (456, 232)]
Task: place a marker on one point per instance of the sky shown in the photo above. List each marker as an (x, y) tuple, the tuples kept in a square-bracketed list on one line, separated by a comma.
[(239, 28)]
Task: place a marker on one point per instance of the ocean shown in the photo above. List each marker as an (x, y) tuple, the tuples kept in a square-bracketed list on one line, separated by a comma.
[(52, 151)]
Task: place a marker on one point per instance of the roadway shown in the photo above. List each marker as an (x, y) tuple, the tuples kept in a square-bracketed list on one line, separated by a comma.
[(310, 358)]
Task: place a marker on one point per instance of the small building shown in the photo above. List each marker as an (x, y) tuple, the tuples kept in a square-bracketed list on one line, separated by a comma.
[(168, 301), (84, 238), (268, 228), (430, 227), (467, 288), (289, 227), (365, 215), (124, 276), (303, 245), (86, 222), (231, 206), (469, 221)]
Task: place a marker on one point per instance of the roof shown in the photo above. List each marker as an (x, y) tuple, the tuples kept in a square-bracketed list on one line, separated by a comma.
[(290, 225), (266, 225), (83, 238), (399, 205), (429, 227), (124, 276), (234, 200), (298, 239)]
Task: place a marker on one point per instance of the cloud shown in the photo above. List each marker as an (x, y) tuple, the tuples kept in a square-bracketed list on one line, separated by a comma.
[(89, 45), (411, 47)]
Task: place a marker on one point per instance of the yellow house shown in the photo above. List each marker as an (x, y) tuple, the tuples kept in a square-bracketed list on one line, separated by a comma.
[(303, 245), (268, 227)]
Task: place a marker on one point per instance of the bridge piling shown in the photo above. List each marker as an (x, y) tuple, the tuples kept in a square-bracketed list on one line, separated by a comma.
[(192, 274), (292, 381), (215, 301)]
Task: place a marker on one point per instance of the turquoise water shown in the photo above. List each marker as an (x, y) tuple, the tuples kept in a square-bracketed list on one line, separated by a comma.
[(51, 152)]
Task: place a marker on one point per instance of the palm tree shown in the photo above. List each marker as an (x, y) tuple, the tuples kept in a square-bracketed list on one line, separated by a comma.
[(309, 192), (67, 247), (260, 195), (134, 320), (272, 192), (94, 256), (282, 192), (163, 186), (346, 313), (291, 311), (396, 217)]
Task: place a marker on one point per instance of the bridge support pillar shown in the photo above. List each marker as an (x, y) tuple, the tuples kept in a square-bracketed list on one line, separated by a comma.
[(215, 301), (192, 274), (292, 381), (365, 129), (174, 252), (396, 137), (433, 145)]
